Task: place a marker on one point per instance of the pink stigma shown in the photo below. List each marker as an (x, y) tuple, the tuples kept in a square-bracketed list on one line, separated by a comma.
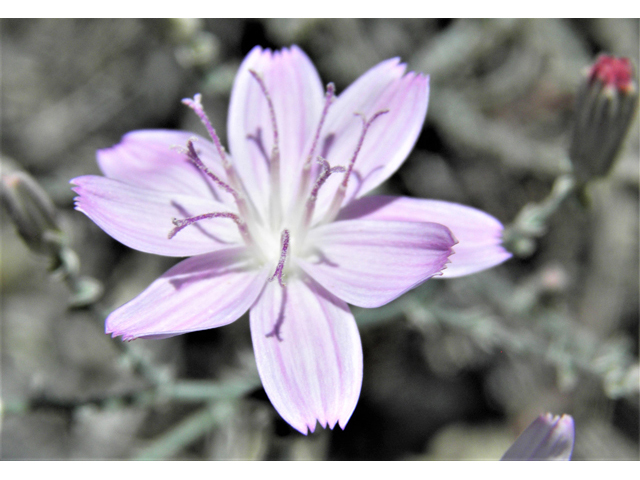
[(284, 239)]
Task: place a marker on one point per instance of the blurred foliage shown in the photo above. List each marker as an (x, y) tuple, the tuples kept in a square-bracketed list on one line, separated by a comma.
[(453, 370)]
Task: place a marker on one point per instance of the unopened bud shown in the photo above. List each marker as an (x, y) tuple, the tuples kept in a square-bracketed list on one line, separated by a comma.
[(32, 211), (605, 106)]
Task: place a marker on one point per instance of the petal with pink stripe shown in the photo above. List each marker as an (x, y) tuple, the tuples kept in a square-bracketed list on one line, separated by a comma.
[(153, 160), (368, 263), (201, 292), (308, 352), (479, 234), (142, 219)]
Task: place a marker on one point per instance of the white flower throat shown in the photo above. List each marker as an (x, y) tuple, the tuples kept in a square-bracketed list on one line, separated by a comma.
[(283, 234)]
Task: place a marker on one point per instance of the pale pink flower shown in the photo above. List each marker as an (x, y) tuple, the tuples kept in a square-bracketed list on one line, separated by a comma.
[(549, 437), (280, 227)]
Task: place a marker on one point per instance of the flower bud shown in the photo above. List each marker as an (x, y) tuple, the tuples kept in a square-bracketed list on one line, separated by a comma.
[(605, 106), (32, 211)]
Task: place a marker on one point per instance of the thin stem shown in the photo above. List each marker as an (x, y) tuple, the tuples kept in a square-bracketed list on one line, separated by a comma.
[(188, 431), (532, 221)]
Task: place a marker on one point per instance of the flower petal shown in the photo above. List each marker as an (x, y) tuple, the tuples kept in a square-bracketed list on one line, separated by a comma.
[(308, 352), (549, 437), (151, 159), (296, 91), (479, 234), (391, 136), (369, 263), (141, 218), (201, 292)]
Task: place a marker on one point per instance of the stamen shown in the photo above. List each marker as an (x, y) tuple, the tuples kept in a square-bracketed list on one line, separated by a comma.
[(342, 189), (284, 240), (328, 100), (185, 222), (327, 170), (232, 177), (196, 106), (193, 156), (272, 111), (307, 165), (274, 162), (365, 126)]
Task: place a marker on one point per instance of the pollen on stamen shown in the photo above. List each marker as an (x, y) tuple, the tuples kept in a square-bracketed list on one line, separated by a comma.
[(306, 169), (274, 161), (327, 170), (342, 189), (272, 112), (196, 106), (192, 154), (284, 240), (181, 223), (327, 103), (365, 127)]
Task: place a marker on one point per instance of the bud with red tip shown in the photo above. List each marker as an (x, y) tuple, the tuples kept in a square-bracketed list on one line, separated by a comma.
[(605, 106)]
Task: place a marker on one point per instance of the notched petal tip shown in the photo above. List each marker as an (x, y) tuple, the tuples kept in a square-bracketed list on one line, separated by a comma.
[(369, 263), (310, 427), (447, 262), (77, 187), (114, 334), (314, 376), (199, 293), (477, 234)]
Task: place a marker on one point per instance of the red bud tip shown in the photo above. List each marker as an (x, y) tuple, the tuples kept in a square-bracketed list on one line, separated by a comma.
[(613, 72)]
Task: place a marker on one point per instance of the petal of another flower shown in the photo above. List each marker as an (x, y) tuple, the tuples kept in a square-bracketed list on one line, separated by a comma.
[(296, 91), (369, 263), (141, 218), (201, 292), (479, 234), (391, 136), (149, 159), (549, 437), (308, 352)]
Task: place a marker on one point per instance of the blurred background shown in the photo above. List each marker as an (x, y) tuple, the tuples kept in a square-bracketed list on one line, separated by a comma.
[(453, 370)]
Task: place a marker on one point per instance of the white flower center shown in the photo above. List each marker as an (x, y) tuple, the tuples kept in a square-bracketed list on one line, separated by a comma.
[(276, 239)]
